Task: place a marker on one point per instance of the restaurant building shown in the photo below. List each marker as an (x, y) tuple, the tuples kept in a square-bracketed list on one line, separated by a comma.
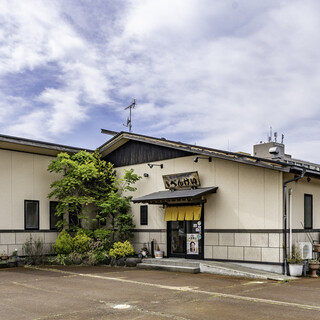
[(194, 202)]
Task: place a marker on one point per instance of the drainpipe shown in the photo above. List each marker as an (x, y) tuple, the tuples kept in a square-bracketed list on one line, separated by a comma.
[(285, 217), (290, 222)]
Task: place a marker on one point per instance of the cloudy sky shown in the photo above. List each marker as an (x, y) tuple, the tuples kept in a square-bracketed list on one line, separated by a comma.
[(216, 73)]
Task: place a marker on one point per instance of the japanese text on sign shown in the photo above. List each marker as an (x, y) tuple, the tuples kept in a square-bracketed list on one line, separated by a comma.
[(181, 180)]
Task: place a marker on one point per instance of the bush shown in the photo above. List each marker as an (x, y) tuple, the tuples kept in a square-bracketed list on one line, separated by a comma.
[(64, 243), (81, 242), (121, 250), (103, 237), (33, 250), (100, 256)]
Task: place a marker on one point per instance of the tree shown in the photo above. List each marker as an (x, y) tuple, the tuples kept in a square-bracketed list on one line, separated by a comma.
[(89, 183), (115, 210)]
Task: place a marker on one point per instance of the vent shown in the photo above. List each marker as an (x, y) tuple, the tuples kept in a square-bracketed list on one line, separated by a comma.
[(305, 249)]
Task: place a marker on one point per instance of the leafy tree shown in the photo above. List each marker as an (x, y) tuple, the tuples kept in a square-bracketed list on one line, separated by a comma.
[(115, 210), (89, 183)]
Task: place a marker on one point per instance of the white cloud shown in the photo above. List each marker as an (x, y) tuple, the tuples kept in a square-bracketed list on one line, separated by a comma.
[(36, 34), (217, 73), (219, 70)]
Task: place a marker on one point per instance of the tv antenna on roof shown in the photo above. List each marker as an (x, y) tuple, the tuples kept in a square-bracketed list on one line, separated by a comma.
[(132, 106)]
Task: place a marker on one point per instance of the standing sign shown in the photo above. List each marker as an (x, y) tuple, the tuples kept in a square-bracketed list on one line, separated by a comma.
[(192, 243)]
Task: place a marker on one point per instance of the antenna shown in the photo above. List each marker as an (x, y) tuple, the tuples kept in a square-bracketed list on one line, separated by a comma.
[(132, 106), (270, 136)]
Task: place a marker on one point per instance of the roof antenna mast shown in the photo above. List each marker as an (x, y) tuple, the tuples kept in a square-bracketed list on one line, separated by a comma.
[(132, 106)]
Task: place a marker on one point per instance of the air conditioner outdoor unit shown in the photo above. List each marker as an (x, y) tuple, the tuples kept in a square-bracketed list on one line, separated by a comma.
[(305, 249)]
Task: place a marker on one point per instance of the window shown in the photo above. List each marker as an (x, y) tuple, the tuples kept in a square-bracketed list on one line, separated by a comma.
[(53, 217), (144, 215), (31, 214), (74, 221), (308, 211)]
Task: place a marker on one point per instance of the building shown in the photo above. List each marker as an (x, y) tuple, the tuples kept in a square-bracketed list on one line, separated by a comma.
[(194, 202), (25, 183)]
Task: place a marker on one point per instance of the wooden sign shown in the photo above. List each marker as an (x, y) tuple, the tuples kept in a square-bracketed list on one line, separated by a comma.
[(181, 180)]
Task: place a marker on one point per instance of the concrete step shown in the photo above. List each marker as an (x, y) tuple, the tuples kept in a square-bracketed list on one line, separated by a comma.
[(173, 262), (167, 267)]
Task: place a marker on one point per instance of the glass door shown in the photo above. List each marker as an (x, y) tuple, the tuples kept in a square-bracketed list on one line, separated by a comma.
[(177, 238), (185, 239)]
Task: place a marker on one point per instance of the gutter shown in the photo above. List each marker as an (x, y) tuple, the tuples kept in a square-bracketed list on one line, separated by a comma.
[(303, 172)]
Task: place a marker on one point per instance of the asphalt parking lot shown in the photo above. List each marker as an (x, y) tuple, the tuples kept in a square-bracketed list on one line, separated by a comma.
[(102, 292)]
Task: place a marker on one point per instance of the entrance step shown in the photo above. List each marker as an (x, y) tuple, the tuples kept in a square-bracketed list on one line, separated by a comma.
[(214, 267), (175, 265)]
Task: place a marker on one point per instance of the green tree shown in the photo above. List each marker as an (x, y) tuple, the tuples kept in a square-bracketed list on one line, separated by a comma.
[(86, 181), (89, 183), (115, 210)]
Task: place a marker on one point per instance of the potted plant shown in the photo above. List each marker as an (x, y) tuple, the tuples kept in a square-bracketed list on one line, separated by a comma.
[(295, 263), (158, 253), (4, 256), (316, 247), (313, 266), (144, 251)]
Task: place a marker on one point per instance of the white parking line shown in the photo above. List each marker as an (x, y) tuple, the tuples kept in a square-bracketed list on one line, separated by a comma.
[(187, 289)]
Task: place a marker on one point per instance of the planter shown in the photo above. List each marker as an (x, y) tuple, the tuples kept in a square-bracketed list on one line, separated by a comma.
[(4, 257), (313, 266), (295, 270), (316, 247), (158, 254)]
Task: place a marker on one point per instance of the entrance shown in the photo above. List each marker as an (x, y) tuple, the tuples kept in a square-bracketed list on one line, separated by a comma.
[(185, 239)]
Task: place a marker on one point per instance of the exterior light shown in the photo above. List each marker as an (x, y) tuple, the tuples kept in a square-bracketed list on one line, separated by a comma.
[(151, 165), (196, 159)]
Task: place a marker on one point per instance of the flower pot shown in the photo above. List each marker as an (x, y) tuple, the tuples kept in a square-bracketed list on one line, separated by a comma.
[(158, 254), (316, 247), (313, 266), (295, 270)]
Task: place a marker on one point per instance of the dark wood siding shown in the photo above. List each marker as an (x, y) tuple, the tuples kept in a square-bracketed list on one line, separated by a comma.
[(133, 152)]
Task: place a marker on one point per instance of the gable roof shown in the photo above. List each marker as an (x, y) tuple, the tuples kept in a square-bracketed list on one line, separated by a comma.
[(122, 137), (35, 146)]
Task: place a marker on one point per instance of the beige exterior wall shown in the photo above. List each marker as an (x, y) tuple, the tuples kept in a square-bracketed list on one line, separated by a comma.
[(248, 198), (24, 176), (298, 190)]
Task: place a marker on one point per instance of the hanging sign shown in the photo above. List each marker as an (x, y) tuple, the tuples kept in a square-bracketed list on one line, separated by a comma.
[(181, 180)]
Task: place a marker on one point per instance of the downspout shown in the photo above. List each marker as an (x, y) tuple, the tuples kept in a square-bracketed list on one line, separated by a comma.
[(285, 217), (290, 222)]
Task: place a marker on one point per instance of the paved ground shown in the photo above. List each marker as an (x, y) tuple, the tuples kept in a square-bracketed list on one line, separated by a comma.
[(124, 293)]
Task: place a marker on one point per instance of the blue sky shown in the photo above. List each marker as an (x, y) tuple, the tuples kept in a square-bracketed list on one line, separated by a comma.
[(215, 73)]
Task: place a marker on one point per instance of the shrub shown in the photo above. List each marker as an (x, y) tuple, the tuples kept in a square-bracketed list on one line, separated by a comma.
[(33, 250), (121, 250), (103, 237), (100, 256), (81, 242), (64, 243)]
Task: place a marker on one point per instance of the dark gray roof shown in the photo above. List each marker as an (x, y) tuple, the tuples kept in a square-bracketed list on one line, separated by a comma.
[(165, 196), (35, 146)]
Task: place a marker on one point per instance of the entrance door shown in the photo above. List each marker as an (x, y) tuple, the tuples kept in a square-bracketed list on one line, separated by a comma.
[(185, 239)]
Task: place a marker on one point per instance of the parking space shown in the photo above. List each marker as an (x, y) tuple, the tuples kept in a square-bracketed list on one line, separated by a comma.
[(67, 293)]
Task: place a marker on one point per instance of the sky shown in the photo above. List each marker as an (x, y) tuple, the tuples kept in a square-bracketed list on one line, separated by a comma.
[(215, 73)]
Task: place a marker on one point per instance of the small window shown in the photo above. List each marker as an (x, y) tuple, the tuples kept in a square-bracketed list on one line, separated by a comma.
[(308, 211), (144, 215), (54, 219), (74, 220), (31, 215)]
